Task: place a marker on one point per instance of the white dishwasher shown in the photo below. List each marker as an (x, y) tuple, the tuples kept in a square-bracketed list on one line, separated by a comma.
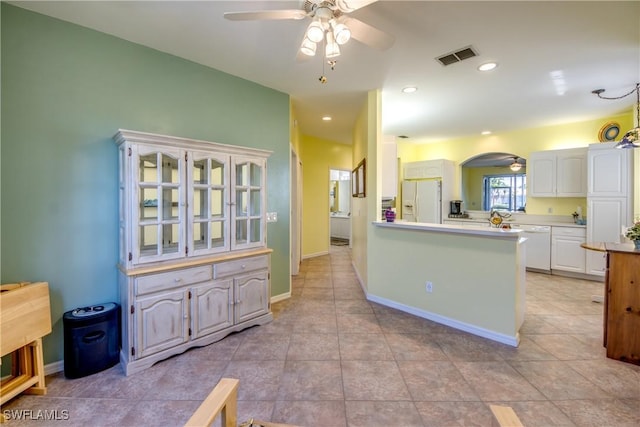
[(538, 246)]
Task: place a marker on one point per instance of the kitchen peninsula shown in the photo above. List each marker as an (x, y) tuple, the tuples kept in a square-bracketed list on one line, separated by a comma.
[(468, 278)]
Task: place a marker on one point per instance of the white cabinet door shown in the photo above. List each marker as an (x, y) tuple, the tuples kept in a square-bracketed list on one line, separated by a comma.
[(424, 169), (609, 171), (566, 252), (541, 174), (596, 263), (607, 216), (212, 307), (571, 173), (208, 216), (162, 322), (157, 193), (248, 201), (251, 295)]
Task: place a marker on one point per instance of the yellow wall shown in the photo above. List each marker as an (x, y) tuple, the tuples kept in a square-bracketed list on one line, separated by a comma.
[(520, 143), (318, 157), (367, 141)]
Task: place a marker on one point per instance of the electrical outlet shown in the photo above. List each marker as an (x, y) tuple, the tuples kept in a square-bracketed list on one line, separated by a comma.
[(429, 287), (549, 210), (272, 216)]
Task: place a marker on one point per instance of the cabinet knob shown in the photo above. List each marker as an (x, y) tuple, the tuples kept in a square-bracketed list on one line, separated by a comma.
[(244, 266), (179, 279), (237, 301)]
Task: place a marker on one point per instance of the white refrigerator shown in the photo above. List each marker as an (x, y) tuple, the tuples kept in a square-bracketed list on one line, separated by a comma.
[(422, 201)]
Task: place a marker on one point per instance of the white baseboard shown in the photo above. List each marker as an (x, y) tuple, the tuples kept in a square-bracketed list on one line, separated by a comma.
[(513, 341), (280, 297), (317, 254)]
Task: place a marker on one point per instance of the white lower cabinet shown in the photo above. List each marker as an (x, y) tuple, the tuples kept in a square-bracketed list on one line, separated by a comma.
[(340, 227), (566, 252), (212, 307), (167, 312), (251, 300), (162, 322)]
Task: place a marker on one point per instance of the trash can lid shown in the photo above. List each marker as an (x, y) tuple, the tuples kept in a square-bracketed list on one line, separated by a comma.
[(91, 310)]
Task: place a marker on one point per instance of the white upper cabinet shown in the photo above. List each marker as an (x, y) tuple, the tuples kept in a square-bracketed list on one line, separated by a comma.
[(425, 169), (183, 198), (609, 171), (557, 173)]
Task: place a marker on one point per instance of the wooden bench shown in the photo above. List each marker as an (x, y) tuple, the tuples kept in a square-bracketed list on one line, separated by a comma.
[(25, 317)]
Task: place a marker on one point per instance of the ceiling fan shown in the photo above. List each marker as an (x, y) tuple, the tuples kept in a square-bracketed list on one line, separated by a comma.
[(329, 25)]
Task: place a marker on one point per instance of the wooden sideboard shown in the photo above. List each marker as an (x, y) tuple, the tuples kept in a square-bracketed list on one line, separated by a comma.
[(621, 301)]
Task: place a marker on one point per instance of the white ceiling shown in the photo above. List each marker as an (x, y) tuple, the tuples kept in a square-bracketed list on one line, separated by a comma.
[(590, 44)]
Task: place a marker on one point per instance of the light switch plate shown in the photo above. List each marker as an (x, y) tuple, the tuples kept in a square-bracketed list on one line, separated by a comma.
[(272, 216)]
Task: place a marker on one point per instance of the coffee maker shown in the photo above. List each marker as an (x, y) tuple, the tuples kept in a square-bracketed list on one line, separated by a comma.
[(455, 209)]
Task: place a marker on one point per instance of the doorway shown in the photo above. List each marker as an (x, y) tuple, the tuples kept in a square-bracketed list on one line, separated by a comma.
[(340, 207)]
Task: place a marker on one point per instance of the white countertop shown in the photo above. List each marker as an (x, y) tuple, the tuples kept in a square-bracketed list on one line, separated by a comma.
[(521, 220), (498, 233)]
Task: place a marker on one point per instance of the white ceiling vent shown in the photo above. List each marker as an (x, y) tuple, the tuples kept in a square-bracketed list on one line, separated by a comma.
[(457, 56)]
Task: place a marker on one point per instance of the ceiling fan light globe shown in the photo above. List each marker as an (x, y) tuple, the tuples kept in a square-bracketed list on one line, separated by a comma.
[(515, 166), (308, 47), (315, 32), (341, 33), (332, 49)]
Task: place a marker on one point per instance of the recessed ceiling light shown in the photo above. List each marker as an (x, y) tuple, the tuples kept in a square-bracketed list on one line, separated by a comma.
[(486, 132), (409, 89), (487, 66), (326, 118)]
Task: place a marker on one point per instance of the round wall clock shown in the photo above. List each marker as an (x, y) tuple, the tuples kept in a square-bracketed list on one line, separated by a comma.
[(609, 132)]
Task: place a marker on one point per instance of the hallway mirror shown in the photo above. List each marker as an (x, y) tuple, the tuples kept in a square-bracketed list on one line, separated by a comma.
[(339, 207), (488, 182), (339, 192)]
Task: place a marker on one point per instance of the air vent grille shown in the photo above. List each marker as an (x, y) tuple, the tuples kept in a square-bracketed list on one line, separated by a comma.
[(457, 56)]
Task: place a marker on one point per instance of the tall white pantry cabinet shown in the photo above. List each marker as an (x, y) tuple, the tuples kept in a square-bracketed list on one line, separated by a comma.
[(193, 262), (609, 199)]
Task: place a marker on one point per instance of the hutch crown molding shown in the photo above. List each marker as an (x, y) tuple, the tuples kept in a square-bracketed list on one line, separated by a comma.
[(193, 261)]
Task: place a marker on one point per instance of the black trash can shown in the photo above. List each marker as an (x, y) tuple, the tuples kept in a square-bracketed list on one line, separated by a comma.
[(91, 339)]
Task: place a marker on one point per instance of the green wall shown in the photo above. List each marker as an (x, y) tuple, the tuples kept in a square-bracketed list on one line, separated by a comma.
[(66, 90)]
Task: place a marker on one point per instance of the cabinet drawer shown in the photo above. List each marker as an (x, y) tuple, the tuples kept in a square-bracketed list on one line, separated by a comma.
[(239, 266), (569, 231), (172, 279)]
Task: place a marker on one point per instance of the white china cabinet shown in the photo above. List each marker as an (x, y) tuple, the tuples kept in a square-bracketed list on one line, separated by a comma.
[(194, 265)]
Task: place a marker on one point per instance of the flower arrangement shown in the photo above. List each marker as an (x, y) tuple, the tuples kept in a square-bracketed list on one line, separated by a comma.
[(633, 232)]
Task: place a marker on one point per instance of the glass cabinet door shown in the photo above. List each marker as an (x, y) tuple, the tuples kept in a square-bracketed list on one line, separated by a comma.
[(159, 233), (248, 203), (209, 206)]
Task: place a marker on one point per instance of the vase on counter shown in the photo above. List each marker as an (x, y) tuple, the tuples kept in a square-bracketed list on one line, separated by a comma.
[(390, 215), (636, 244)]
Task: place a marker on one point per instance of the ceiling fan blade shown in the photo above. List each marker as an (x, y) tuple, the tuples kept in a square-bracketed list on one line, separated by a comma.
[(347, 6), (266, 15), (371, 36)]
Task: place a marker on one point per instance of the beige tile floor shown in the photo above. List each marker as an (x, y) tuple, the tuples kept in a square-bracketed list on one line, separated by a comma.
[(330, 358)]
